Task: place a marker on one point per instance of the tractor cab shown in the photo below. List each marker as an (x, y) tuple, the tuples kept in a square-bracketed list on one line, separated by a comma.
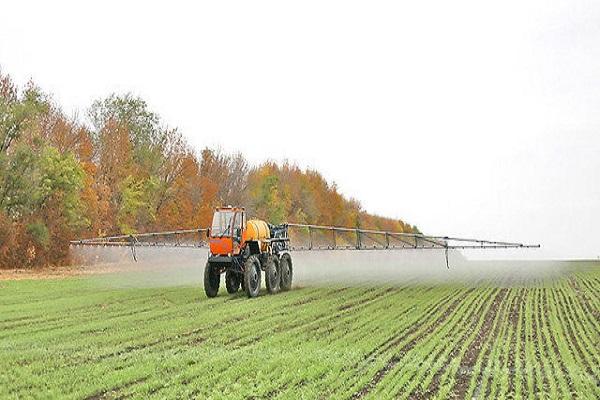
[(225, 236)]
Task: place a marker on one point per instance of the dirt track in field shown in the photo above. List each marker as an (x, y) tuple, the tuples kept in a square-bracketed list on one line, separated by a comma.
[(58, 272)]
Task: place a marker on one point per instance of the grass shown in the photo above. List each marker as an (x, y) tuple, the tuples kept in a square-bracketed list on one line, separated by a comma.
[(78, 338)]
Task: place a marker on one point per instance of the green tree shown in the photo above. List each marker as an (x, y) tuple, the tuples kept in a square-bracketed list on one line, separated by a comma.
[(61, 176), (16, 184), (18, 112), (40, 233), (136, 206), (268, 200), (32, 177)]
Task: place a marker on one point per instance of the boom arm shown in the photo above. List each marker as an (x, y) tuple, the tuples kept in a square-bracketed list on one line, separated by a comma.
[(305, 237)]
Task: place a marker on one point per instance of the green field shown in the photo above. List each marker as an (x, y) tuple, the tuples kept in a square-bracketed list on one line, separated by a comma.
[(77, 338)]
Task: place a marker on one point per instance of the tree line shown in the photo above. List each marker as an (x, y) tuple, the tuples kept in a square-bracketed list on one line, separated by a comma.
[(120, 169)]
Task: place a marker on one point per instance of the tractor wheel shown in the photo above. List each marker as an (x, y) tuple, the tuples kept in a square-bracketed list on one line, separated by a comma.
[(285, 266), (273, 275), (252, 276), (212, 279), (232, 282)]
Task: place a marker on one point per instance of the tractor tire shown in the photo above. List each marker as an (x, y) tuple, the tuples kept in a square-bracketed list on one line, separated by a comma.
[(252, 276), (212, 279), (273, 275), (285, 266), (232, 282)]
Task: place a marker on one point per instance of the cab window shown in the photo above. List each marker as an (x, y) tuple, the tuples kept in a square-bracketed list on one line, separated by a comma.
[(238, 225), (221, 225)]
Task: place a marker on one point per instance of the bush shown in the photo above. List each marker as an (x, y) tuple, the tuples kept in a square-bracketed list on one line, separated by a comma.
[(40, 233)]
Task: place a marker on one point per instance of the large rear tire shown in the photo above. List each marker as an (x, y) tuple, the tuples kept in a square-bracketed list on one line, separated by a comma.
[(232, 281), (212, 279), (273, 275), (285, 265), (252, 276)]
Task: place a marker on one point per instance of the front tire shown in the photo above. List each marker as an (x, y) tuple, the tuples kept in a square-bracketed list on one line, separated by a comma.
[(287, 272), (212, 279), (273, 275), (252, 276)]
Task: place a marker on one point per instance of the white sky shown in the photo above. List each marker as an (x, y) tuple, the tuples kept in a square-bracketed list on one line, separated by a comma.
[(468, 118)]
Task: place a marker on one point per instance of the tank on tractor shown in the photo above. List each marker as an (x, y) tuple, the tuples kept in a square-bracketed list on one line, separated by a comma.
[(245, 249)]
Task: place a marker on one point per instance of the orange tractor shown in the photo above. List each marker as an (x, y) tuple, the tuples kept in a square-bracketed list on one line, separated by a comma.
[(243, 250)]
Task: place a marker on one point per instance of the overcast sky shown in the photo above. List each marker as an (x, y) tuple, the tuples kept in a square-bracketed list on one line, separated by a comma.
[(467, 118)]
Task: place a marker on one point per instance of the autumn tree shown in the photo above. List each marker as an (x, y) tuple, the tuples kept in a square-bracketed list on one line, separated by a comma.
[(125, 171), (139, 160), (39, 185)]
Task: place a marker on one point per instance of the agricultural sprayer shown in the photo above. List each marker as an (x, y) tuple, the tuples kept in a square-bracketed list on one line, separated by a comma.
[(243, 249)]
